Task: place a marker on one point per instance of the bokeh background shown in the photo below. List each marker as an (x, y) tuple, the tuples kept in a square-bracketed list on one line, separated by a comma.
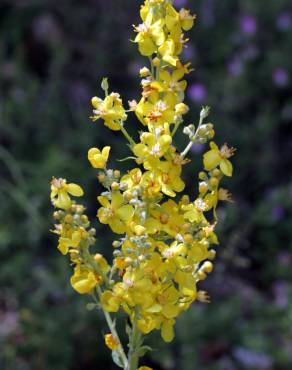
[(53, 54)]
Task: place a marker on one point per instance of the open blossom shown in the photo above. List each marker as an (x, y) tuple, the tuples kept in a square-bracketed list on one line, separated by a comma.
[(216, 157), (97, 158), (164, 239), (60, 191)]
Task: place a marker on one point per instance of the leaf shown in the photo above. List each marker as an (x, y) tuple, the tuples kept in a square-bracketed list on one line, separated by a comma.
[(142, 351), (126, 159), (116, 359), (128, 330), (91, 306)]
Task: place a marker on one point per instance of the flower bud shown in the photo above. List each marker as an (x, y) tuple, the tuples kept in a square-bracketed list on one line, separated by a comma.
[(212, 254), (203, 187), (116, 244), (139, 230), (181, 108), (188, 238), (207, 267), (128, 261), (115, 186), (201, 275), (216, 172), (204, 112), (68, 219), (144, 72), (117, 173), (156, 62), (203, 176), (101, 177), (214, 182)]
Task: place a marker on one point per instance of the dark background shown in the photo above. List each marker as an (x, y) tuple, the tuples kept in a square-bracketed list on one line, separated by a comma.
[(53, 55)]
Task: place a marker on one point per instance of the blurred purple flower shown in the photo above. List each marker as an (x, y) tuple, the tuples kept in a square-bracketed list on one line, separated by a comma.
[(248, 24), (285, 259), (79, 92), (180, 2), (250, 52), (251, 359), (197, 148), (46, 28), (235, 67), (280, 294), (197, 92), (207, 11), (278, 213), (189, 52), (280, 77), (9, 323), (134, 68), (284, 21)]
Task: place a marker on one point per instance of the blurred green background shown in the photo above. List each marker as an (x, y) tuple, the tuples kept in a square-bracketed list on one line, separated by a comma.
[(53, 55)]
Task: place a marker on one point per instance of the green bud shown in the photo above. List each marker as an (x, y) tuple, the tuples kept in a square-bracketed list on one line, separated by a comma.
[(104, 85)]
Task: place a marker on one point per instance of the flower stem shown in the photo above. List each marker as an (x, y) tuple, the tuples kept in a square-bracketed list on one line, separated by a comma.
[(190, 144), (127, 136), (134, 346), (112, 327)]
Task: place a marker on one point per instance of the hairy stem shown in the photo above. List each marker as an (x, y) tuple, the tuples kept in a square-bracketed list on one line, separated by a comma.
[(191, 143), (134, 346), (127, 136), (112, 327)]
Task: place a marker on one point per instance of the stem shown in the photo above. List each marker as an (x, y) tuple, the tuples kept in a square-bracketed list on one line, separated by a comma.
[(127, 136), (113, 331), (152, 66), (187, 149), (134, 345), (190, 144), (176, 126)]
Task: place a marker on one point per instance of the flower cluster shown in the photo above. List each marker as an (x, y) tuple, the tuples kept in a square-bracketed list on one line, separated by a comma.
[(163, 244)]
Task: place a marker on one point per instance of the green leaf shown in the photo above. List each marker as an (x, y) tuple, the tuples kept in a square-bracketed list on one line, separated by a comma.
[(117, 359), (91, 306), (126, 159), (142, 351), (128, 330)]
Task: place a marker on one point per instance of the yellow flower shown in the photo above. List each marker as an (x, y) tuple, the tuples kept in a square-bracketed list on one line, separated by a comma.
[(110, 109), (132, 179), (65, 242), (60, 191), (115, 213), (83, 280), (167, 51), (98, 158), (111, 342), (102, 262), (172, 82), (145, 368), (168, 218), (155, 111), (151, 148), (194, 211), (109, 301), (149, 36), (186, 19), (167, 331), (216, 157), (169, 178)]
